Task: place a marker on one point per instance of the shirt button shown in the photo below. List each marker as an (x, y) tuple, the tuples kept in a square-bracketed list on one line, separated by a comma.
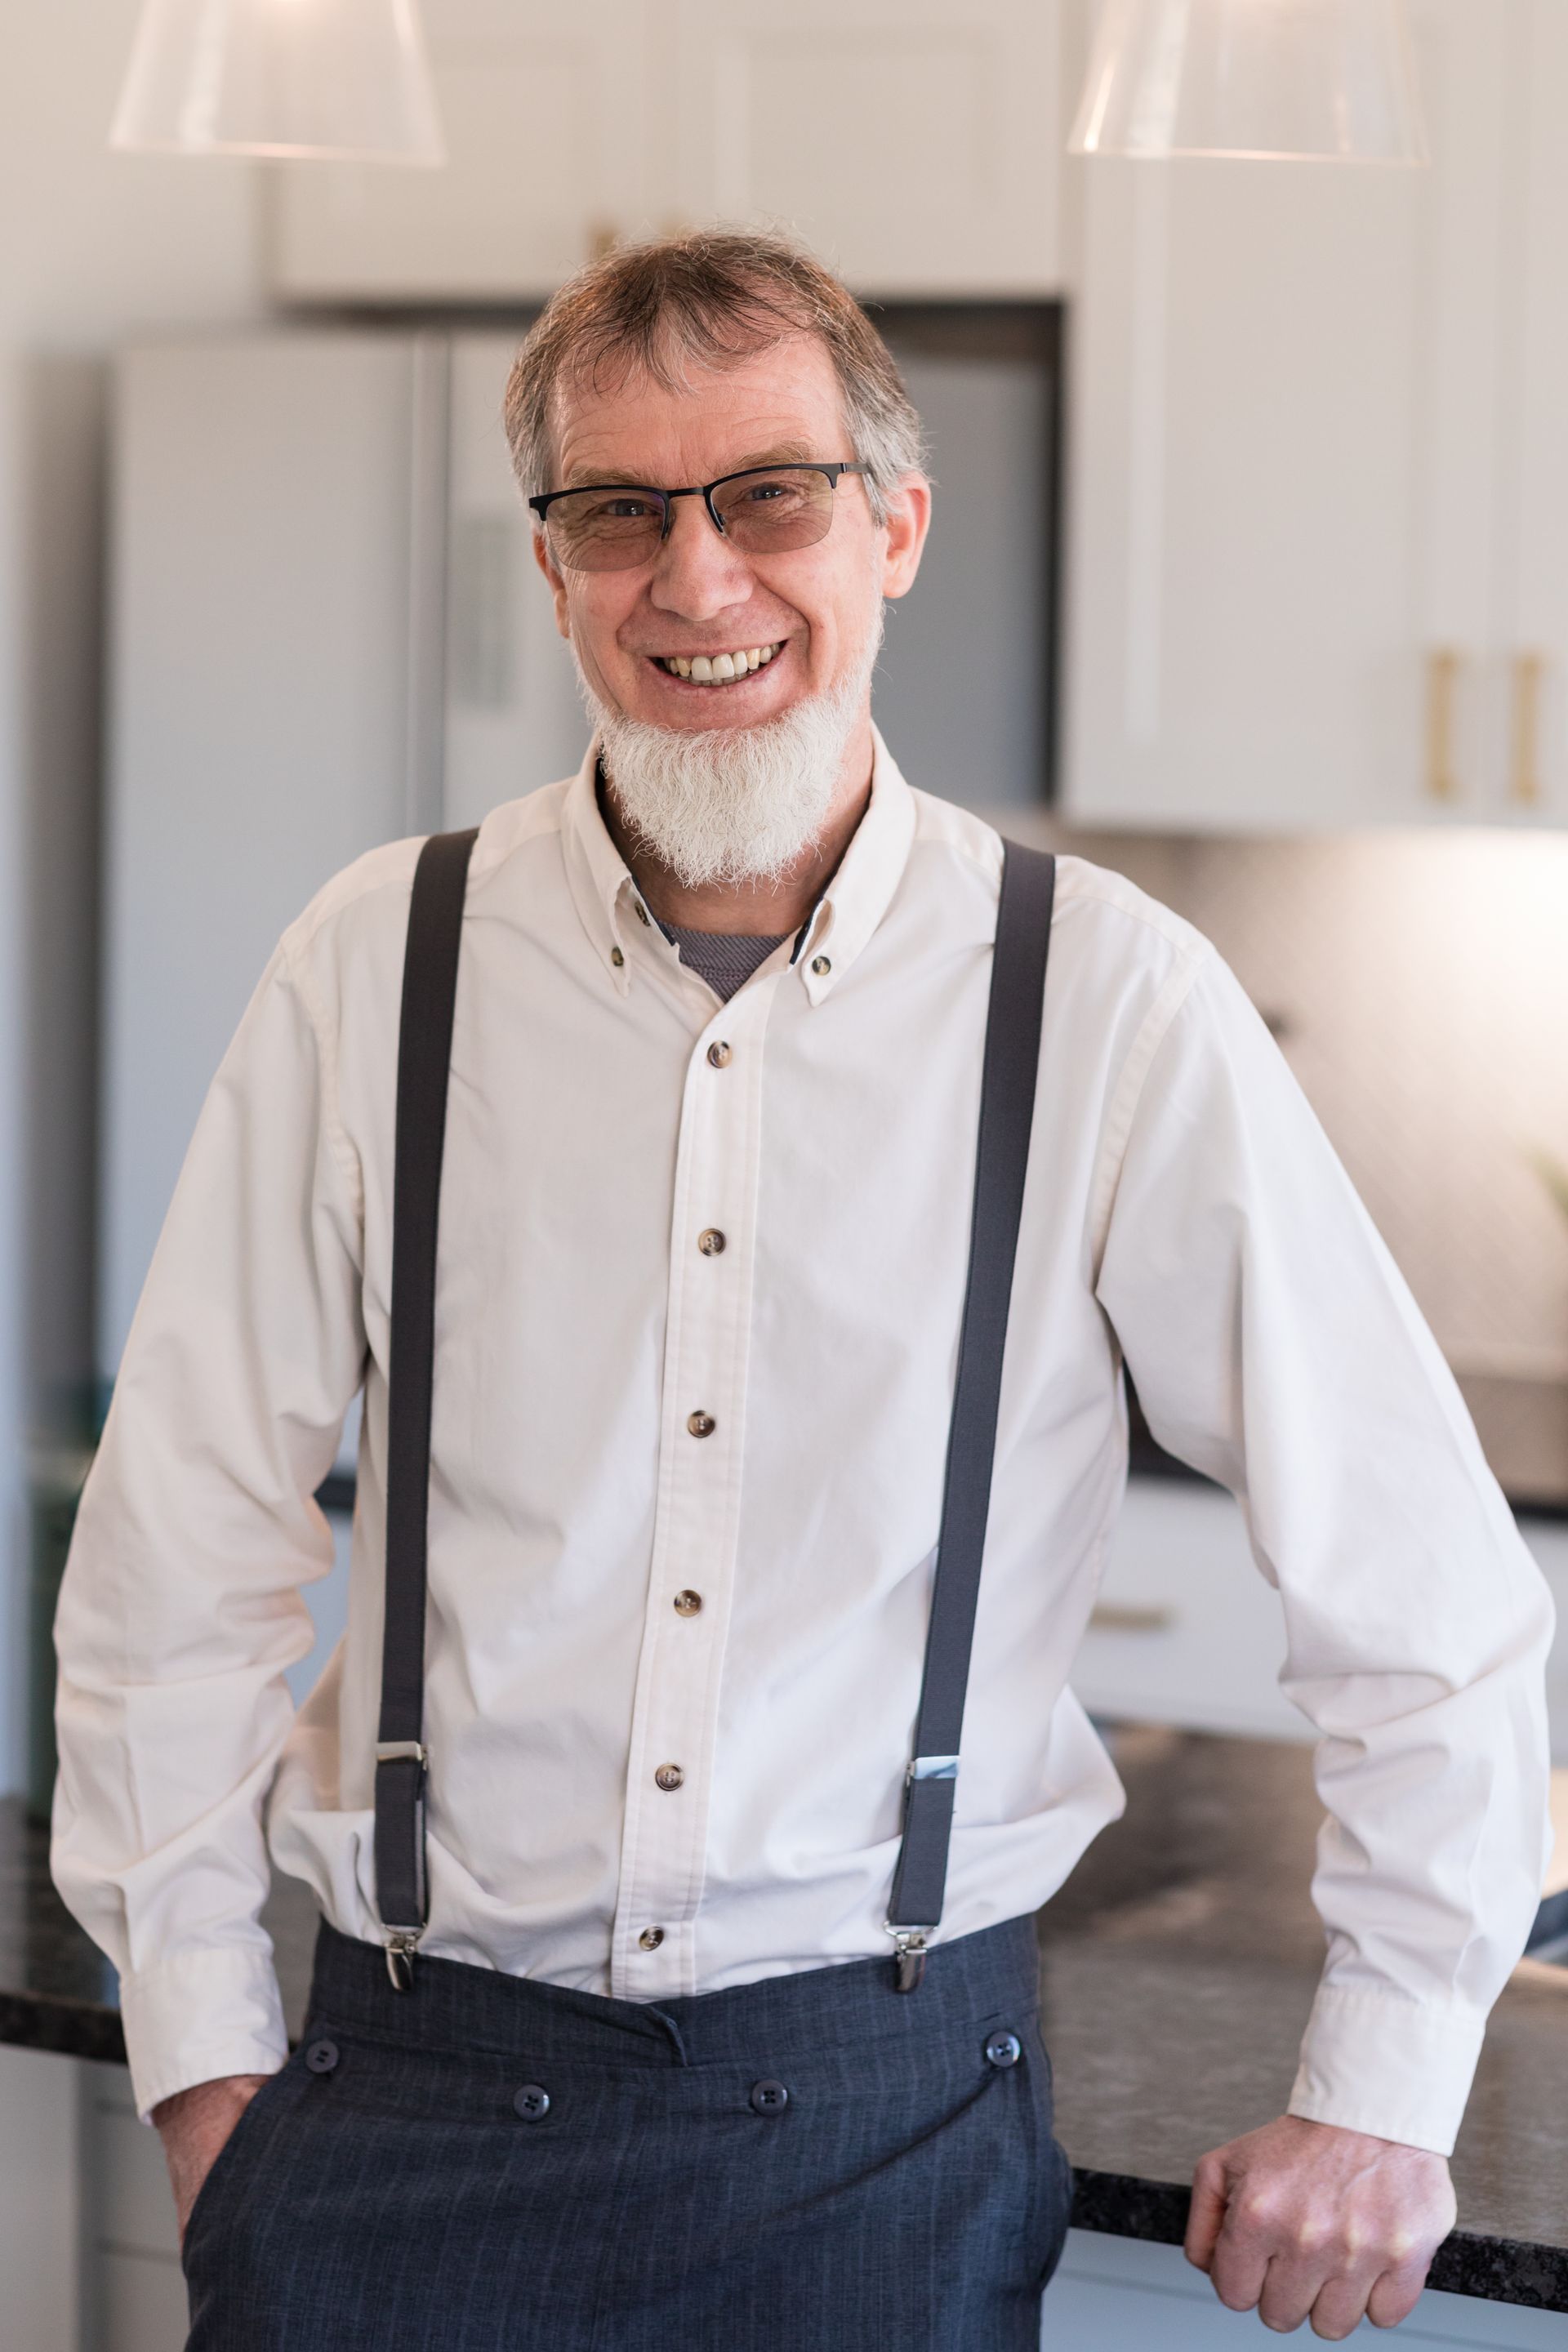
[(719, 1054), (651, 1939), (531, 2103), (821, 966), (688, 1603), (701, 1424), (711, 1242), (769, 2099), (616, 958), (669, 1776), (1004, 2050)]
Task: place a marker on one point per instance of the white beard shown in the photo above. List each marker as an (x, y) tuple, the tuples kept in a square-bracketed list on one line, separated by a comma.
[(732, 805)]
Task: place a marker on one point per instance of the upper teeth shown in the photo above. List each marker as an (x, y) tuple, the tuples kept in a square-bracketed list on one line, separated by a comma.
[(717, 669)]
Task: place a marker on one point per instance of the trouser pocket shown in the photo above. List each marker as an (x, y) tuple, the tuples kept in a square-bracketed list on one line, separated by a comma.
[(226, 2174)]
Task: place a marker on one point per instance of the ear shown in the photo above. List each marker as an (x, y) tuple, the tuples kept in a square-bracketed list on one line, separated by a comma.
[(904, 533), (553, 580)]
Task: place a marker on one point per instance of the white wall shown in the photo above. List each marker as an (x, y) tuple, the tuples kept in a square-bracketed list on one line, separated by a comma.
[(91, 247)]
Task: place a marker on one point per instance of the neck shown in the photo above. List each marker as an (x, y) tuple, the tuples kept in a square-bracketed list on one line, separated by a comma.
[(760, 906)]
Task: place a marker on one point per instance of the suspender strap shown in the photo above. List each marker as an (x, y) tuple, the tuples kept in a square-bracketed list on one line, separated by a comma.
[(1006, 1111), (424, 1055)]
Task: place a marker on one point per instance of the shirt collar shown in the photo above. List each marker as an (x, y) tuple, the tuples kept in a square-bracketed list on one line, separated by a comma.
[(842, 921)]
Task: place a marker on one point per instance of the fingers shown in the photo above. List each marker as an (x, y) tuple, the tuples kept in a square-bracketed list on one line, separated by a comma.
[(1242, 2253), (1339, 2310), (1397, 2292), (1206, 2218)]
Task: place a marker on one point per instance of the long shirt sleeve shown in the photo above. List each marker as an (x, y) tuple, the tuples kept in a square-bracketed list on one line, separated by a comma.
[(181, 1609), (1276, 1348)]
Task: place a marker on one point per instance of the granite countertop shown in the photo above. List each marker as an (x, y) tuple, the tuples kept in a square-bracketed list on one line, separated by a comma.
[(1178, 1967)]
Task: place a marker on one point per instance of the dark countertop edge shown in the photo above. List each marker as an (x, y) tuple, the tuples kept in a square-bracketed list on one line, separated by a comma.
[(72, 2029), (1491, 2270), (1113, 2204)]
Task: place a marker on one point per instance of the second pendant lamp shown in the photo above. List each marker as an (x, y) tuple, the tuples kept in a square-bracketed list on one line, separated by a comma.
[(1307, 80)]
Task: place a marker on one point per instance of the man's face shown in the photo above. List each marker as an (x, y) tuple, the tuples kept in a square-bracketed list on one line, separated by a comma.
[(699, 595)]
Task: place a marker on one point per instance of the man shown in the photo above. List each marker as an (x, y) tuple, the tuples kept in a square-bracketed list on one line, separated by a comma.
[(647, 2075)]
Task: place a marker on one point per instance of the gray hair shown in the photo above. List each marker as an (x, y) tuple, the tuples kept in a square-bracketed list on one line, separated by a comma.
[(714, 296)]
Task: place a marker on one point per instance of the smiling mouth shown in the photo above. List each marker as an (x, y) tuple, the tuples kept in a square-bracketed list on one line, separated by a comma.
[(716, 670)]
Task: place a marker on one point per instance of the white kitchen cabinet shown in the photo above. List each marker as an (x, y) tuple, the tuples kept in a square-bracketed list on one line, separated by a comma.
[(917, 143), (1318, 490), (553, 116)]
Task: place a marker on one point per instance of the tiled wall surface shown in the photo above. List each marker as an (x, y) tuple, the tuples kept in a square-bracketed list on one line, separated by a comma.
[(1418, 986)]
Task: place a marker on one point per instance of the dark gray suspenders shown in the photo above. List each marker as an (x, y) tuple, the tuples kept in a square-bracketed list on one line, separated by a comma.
[(1007, 1110), (424, 1057)]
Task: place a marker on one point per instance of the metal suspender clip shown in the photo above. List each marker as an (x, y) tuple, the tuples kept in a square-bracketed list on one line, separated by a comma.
[(910, 1944), (403, 1942)]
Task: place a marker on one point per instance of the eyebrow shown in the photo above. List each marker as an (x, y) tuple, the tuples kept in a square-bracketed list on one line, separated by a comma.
[(778, 453)]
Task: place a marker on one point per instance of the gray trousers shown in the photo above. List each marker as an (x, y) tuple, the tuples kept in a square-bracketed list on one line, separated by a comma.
[(814, 2163)]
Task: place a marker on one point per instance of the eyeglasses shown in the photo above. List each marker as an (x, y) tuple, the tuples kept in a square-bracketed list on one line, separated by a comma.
[(762, 510)]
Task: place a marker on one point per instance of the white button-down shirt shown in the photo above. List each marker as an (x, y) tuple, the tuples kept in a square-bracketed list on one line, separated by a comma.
[(1184, 1208)]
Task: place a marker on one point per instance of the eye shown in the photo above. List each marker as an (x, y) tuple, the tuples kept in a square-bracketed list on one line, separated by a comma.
[(620, 506), (771, 492)]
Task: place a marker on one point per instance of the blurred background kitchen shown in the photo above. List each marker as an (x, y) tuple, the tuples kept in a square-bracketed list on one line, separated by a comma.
[(1248, 578)]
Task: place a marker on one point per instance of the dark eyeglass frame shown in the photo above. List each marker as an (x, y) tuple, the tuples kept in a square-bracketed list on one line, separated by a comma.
[(544, 500)]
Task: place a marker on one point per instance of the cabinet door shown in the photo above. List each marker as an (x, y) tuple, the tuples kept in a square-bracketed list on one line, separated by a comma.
[(1533, 627), (1284, 515), (916, 144), (550, 116)]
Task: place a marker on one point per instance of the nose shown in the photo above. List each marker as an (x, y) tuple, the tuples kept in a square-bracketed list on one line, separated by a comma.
[(698, 574)]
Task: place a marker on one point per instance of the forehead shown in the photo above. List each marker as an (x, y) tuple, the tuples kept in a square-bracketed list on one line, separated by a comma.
[(780, 402)]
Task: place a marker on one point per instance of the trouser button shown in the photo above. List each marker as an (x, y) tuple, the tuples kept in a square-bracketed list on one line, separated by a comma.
[(1004, 2050), (531, 2103), (769, 2099), (321, 2057)]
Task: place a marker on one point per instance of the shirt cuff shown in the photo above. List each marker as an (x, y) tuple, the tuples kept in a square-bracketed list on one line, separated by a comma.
[(1375, 2063), (199, 2015)]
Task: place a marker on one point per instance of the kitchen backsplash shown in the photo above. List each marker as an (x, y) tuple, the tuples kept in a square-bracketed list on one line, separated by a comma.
[(1418, 986)]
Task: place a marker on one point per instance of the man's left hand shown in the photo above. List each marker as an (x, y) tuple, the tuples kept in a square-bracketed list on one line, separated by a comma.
[(1304, 2221)]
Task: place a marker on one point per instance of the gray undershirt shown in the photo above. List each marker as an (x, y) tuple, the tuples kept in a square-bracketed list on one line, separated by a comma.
[(725, 959)]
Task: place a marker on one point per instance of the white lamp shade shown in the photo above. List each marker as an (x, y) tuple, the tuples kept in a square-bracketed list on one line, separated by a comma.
[(1314, 80), (309, 78)]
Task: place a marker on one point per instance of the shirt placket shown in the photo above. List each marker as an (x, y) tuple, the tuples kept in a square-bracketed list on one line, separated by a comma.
[(670, 1767)]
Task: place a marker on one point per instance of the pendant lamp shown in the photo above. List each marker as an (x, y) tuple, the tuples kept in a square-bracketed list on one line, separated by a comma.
[(1312, 80), (294, 77)]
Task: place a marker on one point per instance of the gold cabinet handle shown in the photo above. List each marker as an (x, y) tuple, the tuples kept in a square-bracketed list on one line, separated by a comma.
[(1442, 681), (1529, 673)]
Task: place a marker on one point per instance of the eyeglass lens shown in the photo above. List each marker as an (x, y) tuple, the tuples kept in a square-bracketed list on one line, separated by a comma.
[(762, 514)]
